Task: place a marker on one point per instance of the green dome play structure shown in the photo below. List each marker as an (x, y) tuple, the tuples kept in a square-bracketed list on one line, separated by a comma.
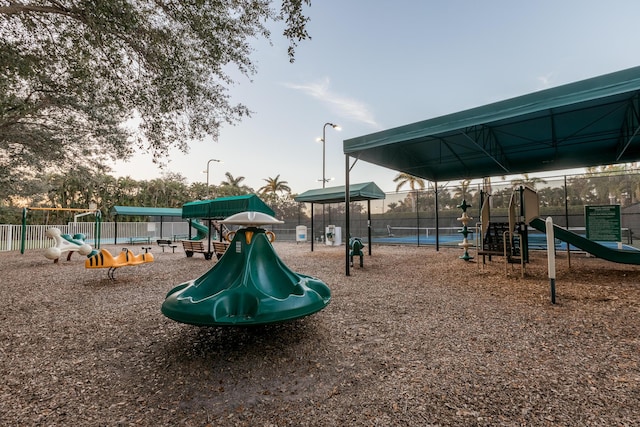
[(249, 285)]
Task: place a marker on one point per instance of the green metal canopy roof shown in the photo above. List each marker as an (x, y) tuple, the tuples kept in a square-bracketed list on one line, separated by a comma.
[(587, 123), (357, 192), (142, 211), (222, 207)]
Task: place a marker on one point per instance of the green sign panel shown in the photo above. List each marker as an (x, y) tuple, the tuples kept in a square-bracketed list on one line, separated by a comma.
[(603, 223)]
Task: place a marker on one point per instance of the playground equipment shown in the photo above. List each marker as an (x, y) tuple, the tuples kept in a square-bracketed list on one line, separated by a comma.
[(104, 259), (622, 256), (249, 285), (202, 231), (212, 211), (511, 239), (355, 249), (64, 243), (551, 259), (506, 239), (92, 210), (464, 219)]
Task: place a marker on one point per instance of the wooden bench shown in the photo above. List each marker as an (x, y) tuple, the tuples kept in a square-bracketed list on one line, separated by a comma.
[(163, 243), (220, 248), (201, 246), (193, 246)]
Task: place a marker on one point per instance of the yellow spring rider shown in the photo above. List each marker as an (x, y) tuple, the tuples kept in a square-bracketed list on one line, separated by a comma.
[(104, 259)]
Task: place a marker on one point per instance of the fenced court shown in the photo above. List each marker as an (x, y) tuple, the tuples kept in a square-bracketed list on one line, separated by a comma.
[(411, 217)]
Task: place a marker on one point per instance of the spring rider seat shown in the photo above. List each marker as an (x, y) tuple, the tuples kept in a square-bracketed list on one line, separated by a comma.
[(249, 285), (66, 243), (355, 246)]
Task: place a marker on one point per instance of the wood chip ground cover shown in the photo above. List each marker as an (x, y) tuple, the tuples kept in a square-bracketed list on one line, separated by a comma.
[(417, 337)]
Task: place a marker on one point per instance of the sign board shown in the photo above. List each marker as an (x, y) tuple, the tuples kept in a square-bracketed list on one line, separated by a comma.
[(301, 233), (603, 223)]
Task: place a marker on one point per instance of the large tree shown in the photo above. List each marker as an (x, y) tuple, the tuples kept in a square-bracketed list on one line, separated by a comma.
[(85, 80)]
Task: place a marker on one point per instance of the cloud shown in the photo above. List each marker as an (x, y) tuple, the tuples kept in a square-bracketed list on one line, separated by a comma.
[(340, 105), (546, 81)]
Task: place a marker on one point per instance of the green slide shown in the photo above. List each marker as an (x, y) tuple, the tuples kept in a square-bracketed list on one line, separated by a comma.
[(614, 255), (201, 229)]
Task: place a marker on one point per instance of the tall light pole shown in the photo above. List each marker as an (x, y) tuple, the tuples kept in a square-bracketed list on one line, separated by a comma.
[(324, 128), (208, 163), (324, 177)]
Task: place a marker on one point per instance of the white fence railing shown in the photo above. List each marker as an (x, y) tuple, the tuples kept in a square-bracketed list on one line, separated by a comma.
[(36, 238)]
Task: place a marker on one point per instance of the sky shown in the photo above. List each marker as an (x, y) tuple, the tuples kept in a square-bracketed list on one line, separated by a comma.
[(375, 65)]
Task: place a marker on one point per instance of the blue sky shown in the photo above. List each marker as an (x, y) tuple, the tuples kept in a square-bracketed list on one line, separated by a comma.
[(374, 65)]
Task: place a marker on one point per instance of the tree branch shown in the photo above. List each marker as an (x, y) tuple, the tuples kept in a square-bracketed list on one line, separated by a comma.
[(17, 7)]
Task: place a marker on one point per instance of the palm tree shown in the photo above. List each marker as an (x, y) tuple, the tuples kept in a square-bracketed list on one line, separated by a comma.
[(232, 187), (274, 186), (404, 178), (463, 190), (231, 181)]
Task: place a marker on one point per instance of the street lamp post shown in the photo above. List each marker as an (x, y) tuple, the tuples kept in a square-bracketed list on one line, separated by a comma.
[(324, 177), (324, 129), (208, 163)]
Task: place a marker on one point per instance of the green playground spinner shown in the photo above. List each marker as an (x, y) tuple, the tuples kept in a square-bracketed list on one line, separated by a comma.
[(249, 285)]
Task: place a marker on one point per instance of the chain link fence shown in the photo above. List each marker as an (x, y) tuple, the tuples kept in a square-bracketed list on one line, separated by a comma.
[(409, 217)]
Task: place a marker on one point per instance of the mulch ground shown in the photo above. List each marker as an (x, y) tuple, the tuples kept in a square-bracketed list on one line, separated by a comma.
[(416, 337)]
